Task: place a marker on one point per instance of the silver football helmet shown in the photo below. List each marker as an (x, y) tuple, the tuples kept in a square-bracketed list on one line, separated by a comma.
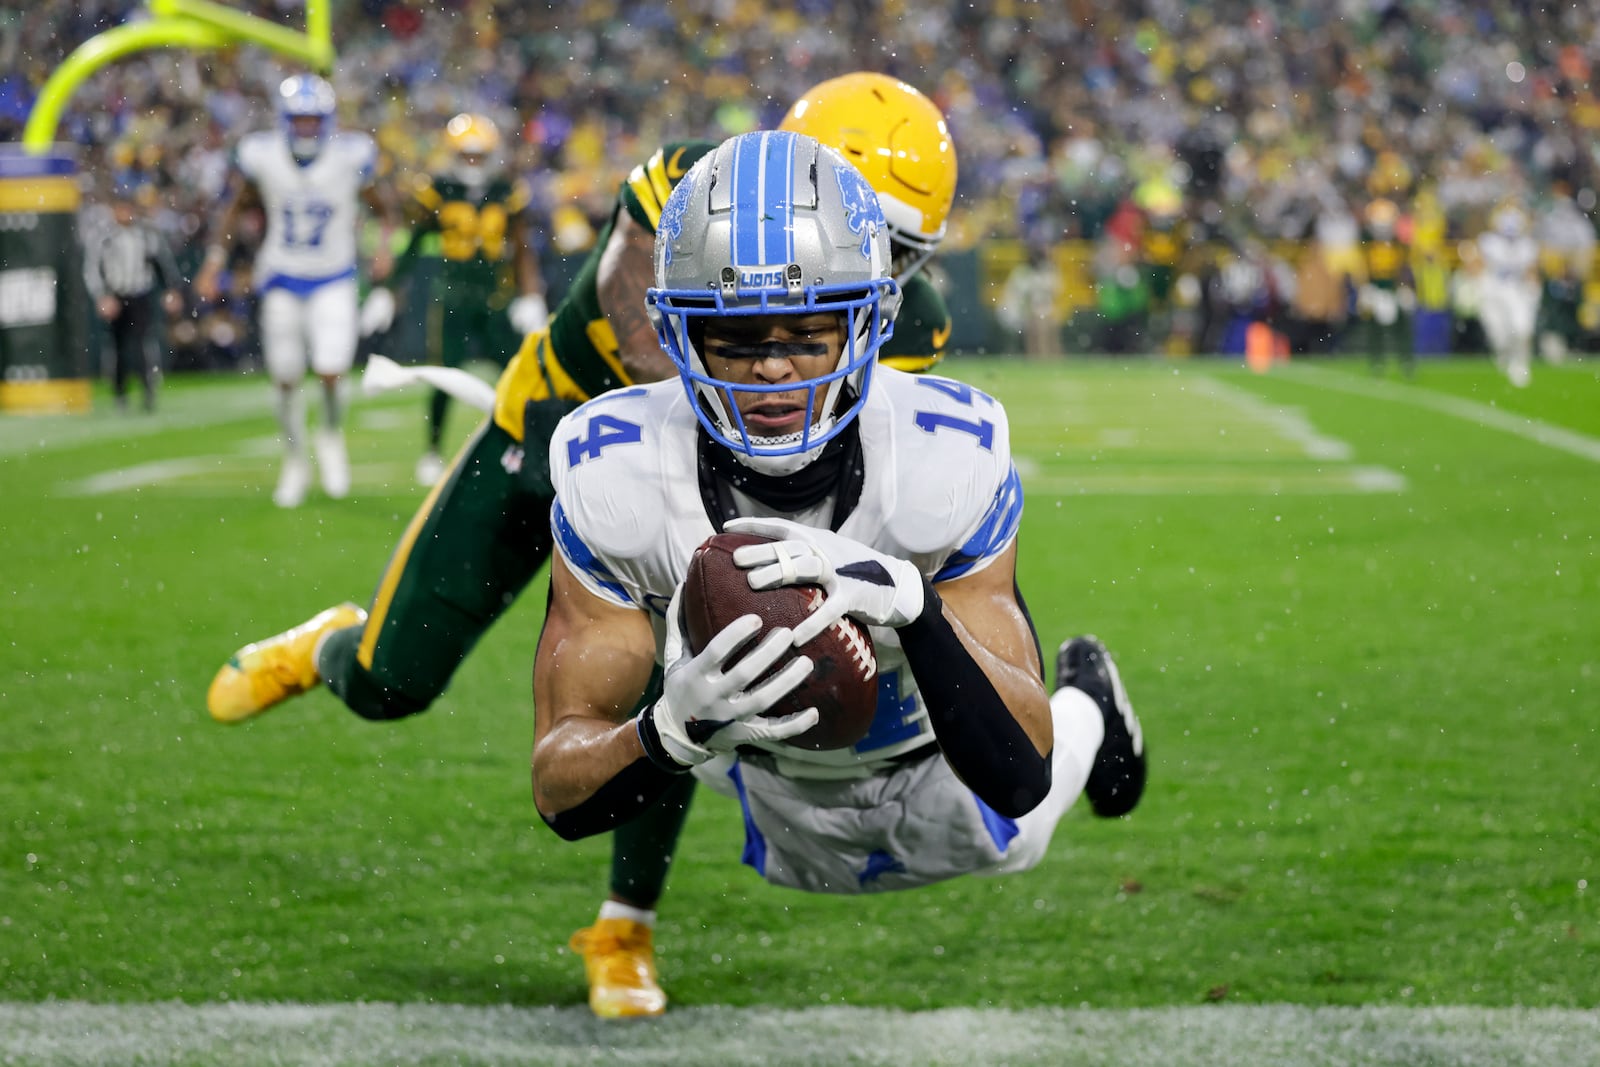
[(774, 223), (308, 97)]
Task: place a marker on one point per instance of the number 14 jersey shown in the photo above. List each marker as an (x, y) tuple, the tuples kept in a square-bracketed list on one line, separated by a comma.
[(939, 489)]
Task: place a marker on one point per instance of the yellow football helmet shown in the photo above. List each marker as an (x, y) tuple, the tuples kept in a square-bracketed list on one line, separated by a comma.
[(1382, 215), (898, 139), (472, 135)]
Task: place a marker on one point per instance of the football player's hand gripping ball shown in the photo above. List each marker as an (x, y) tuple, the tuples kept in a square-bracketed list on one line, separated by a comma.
[(711, 705), (859, 581)]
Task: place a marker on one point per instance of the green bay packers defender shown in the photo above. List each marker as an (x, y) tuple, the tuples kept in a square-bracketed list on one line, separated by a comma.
[(899, 142), (488, 293), (1384, 297), (484, 531)]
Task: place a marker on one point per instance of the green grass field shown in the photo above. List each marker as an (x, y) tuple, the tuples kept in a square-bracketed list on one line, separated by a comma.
[(1360, 619)]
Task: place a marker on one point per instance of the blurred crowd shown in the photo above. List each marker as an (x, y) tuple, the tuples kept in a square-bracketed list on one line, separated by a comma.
[(1210, 132)]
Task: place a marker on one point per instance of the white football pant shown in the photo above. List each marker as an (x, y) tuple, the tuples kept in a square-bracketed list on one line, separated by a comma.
[(323, 322), (1508, 311), (908, 825)]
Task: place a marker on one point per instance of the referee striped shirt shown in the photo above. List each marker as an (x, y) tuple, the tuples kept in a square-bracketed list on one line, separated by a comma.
[(127, 261)]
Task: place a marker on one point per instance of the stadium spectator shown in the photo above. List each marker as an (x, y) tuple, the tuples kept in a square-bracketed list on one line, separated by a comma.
[(1028, 304), (1244, 97)]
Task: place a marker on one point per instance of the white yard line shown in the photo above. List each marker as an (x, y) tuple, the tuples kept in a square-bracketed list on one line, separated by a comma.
[(1333, 473), (81, 1035), (1290, 422), (1526, 427)]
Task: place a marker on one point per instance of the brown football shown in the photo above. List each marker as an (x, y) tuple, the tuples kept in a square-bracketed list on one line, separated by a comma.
[(843, 683)]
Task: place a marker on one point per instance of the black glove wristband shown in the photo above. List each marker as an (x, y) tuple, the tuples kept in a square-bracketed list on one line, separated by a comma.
[(650, 738)]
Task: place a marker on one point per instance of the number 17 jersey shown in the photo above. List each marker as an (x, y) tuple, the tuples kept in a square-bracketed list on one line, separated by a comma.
[(312, 211)]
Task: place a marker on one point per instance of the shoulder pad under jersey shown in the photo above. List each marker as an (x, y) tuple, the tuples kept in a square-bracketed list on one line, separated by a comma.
[(957, 496), (609, 466)]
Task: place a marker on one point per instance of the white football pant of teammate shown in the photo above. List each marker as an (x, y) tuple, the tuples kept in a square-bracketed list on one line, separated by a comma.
[(315, 331), (1508, 296)]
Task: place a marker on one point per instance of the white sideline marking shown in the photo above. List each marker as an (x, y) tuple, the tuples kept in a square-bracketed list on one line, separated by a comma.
[(240, 1035), (1523, 426), (24, 434)]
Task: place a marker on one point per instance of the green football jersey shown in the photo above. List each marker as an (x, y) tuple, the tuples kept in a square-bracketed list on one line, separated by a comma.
[(473, 225), (577, 358), (921, 328)]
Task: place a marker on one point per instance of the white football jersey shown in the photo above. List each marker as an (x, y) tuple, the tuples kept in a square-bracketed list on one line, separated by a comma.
[(1507, 259), (940, 490), (312, 211)]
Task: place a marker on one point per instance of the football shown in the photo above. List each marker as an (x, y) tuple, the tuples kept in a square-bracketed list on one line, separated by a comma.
[(843, 683)]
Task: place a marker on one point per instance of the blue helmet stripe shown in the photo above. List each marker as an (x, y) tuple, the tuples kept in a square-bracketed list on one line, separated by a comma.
[(745, 231), (760, 232), (777, 233)]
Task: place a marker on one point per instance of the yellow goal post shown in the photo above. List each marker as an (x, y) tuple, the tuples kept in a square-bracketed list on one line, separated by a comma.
[(192, 24)]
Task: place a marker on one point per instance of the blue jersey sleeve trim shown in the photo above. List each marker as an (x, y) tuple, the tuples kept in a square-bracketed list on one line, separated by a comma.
[(998, 529), (581, 556)]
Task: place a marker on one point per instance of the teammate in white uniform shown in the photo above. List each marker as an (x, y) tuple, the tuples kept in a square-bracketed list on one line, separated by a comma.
[(308, 179), (895, 493), (1508, 292)]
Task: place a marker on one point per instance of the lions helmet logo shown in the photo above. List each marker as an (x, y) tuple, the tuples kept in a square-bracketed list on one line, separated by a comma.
[(863, 213)]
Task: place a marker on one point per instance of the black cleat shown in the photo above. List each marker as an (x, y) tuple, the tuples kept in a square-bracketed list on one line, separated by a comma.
[(1117, 779)]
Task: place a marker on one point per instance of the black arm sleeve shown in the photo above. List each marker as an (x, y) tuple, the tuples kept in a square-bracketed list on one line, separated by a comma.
[(980, 738), (639, 785)]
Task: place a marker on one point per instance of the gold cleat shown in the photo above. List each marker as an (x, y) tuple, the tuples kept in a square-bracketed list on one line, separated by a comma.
[(619, 957), (271, 671)]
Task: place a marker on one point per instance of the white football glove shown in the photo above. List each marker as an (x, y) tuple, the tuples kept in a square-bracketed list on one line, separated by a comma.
[(860, 582), (706, 708), (377, 311), (528, 313)]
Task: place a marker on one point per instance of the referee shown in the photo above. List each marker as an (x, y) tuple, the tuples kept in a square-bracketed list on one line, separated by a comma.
[(123, 265)]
